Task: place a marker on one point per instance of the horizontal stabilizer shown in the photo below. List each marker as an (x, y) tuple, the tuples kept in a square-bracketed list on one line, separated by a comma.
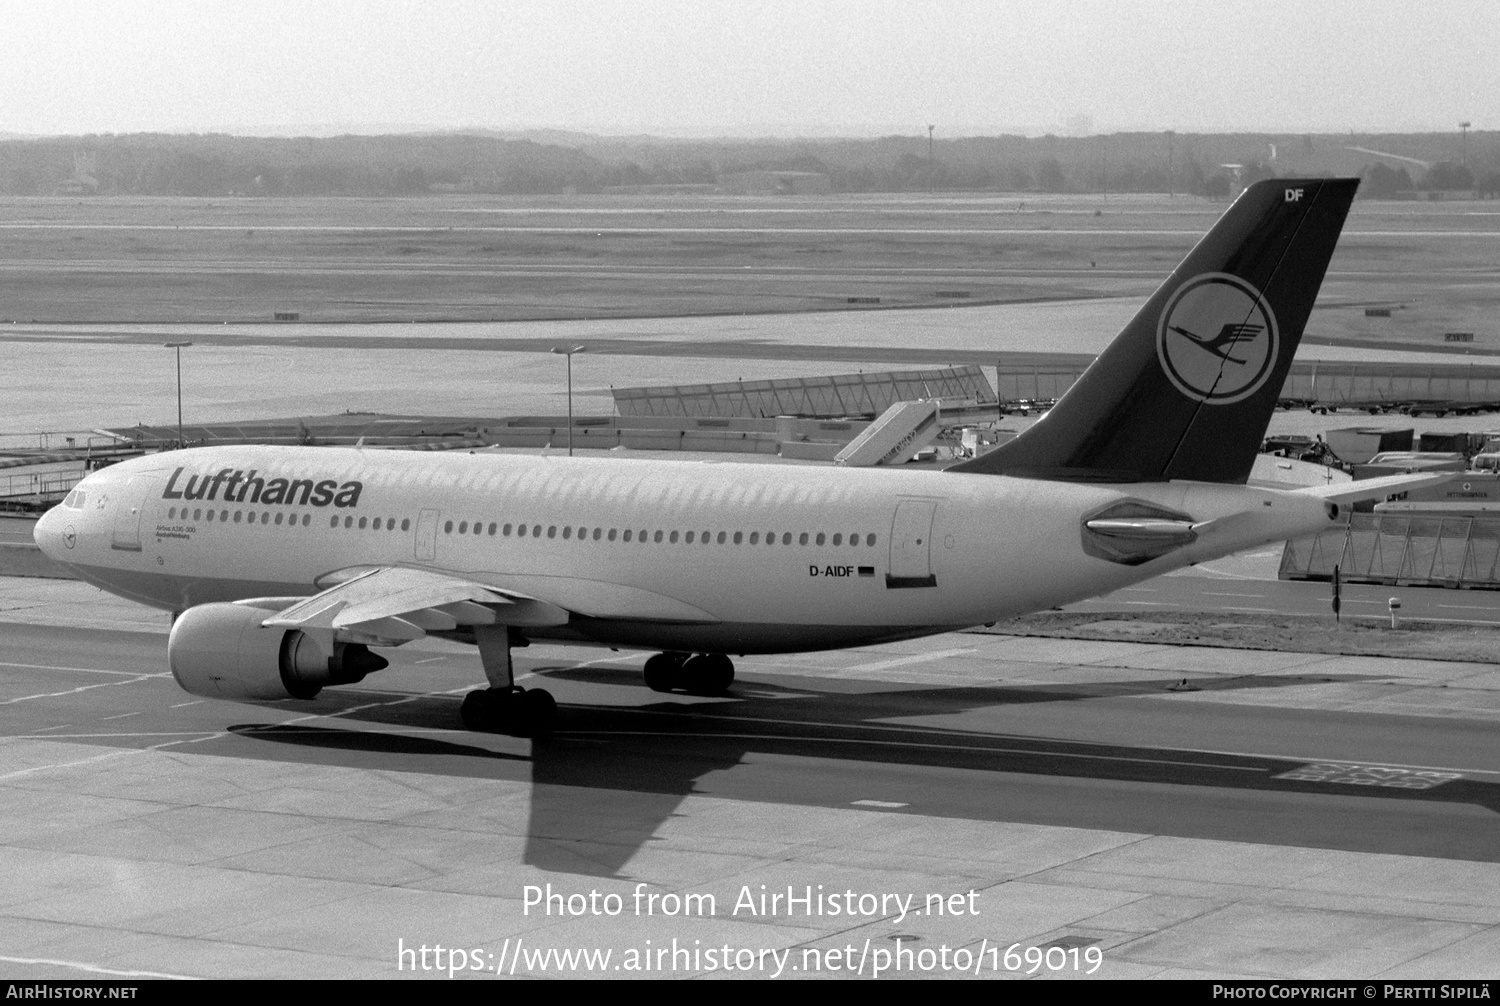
[(1373, 489)]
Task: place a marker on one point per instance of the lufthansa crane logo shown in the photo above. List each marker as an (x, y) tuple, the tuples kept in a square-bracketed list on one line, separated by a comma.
[(1217, 339)]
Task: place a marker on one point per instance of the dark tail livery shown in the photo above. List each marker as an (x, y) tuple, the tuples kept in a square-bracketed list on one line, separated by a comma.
[(1187, 389)]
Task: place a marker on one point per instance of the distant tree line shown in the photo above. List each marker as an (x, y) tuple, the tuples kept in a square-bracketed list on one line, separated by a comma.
[(406, 165)]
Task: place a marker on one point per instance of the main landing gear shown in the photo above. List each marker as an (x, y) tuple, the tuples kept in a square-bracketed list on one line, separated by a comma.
[(505, 707), (705, 674)]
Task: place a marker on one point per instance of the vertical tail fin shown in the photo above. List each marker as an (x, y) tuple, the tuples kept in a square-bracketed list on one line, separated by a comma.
[(1186, 390)]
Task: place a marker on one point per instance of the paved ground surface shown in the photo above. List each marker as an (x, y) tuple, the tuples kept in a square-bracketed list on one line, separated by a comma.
[(1280, 815)]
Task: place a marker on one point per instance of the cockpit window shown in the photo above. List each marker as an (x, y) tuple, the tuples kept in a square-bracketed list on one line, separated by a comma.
[(74, 500)]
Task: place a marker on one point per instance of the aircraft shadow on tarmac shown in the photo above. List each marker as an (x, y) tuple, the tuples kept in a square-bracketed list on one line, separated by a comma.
[(610, 776)]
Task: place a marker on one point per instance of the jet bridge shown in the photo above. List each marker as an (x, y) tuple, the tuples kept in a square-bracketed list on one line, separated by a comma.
[(894, 439)]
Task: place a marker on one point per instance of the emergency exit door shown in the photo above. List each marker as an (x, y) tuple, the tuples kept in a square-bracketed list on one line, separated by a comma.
[(427, 522)]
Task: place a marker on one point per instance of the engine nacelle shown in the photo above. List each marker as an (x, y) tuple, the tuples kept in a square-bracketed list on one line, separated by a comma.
[(222, 651)]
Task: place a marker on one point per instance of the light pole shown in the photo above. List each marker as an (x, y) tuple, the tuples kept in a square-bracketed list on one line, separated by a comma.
[(930, 128), (1171, 185), (569, 354), (178, 346), (1464, 149)]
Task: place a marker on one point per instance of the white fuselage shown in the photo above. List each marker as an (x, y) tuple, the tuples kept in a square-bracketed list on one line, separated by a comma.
[(705, 556)]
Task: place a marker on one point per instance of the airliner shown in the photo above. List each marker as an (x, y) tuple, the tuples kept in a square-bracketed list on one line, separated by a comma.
[(285, 566)]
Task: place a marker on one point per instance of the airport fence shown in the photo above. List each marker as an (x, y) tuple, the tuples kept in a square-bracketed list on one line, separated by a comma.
[(864, 394), (1443, 387), (28, 491), (1400, 550)]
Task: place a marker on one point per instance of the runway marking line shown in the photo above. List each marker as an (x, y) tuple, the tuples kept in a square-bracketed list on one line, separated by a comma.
[(920, 658), (204, 735), (97, 969), (1225, 593), (1370, 775), (80, 688), (880, 804), (59, 667)]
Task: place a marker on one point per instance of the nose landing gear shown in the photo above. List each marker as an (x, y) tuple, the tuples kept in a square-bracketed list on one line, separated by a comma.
[(704, 674), (505, 707), (520, 712)]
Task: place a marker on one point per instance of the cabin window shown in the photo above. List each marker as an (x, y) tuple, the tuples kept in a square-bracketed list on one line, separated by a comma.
[(197, 513), (265, 517), (362, 521), (597, 532), (755, 537), (786, 539), (722, 537), (853, 539), (612, 534), (479, 528), (348, 522), (838, 539), (658, 537), (739, 536), (642, 537), (627, 534), (672, 538), (306, 519), (447, 527), (820, 539), (492, 529), (278, 517), (567, 533), (870, 540), (463, 527), (504, 530), (405, 523), (802, 538)]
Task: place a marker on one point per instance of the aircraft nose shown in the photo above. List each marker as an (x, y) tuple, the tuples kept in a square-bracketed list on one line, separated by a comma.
[(55, 533)]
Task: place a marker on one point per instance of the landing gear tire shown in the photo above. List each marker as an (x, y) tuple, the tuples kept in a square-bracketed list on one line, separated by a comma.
[(663, 671), (475, 711), (708, 674), (520, 712)]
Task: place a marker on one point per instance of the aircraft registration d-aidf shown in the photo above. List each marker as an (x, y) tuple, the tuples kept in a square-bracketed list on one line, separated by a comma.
[(286, 564)]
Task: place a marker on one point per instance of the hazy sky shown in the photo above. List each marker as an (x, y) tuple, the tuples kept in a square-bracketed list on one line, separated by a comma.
[(797, 67)]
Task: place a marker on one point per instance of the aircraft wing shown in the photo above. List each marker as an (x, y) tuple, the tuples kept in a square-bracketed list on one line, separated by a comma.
[(1372, 489), (389, 605)]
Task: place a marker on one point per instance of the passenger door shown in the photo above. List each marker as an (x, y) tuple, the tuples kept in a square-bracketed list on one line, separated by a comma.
[(911, 545), (129, 508)]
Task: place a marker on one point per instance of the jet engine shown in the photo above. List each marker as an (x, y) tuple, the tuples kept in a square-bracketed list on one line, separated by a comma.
[(222, 651)]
